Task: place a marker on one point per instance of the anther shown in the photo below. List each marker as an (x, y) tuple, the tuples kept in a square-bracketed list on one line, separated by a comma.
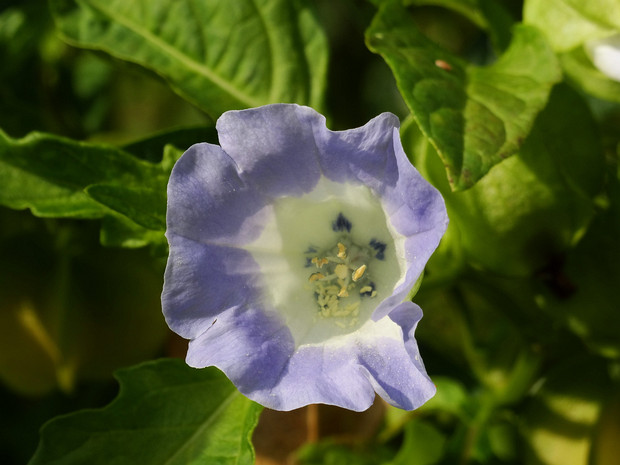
[(342, 251), (316, 277), (319, 262), (357, 274)]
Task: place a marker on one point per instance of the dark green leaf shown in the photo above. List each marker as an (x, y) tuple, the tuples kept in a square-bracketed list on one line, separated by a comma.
[(151, 148), (48, 174), (57, 177), (134, 203), (166, 413), (592, 270), (475, 117), (486, 14), (331, 453), (219, 55)]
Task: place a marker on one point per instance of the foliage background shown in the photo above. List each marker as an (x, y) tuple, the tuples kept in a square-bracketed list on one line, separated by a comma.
[(513, 124)]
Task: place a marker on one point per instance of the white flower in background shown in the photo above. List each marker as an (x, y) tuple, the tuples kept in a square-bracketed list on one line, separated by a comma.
[(605, 54)]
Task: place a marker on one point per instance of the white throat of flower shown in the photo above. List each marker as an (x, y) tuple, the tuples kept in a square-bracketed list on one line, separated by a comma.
[(328, 259)]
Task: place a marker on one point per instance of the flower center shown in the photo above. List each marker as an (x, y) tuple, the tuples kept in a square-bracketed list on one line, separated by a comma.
[(340, 231), (341, 276)]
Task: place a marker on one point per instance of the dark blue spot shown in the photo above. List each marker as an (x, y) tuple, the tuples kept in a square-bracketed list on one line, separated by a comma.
[(311, 249), (379, 248), (368, 293), (308, 262), (341, 224)]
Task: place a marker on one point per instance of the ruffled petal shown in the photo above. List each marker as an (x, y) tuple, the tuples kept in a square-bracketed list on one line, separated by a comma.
[(394, 365), (381, 357), (250, 345), (209, 202), (204, 281), (362, 155), (417, 211), (273, 147)]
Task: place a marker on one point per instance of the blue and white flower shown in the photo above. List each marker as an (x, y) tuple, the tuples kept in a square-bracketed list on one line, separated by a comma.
[(292, 251)]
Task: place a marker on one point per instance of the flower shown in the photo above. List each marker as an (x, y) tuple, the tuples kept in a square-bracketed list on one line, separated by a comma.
[(292, 251), (605, 54)]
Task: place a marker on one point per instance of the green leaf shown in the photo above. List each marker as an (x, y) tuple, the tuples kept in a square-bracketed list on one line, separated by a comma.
[(217, 54), (62, 178), (583, 73), (475, 117), (48, 174), (570, 23), (165, 413), (486, 14), (561, 419), (531, 208), (423, 445), (329, 452), (593, 271)]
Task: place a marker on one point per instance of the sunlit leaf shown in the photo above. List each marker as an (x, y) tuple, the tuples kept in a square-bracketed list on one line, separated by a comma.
[(219, 55), (562, 417), (582, 72), (530, 208), (475, 117), (165, 413), (570, 23)]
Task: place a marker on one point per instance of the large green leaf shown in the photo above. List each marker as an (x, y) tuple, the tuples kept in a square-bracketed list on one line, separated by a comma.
[(219, 55), (475, 117), (486, 14), (166, 413), (570, 23), (48, 174), (62, 178), (531, 208)]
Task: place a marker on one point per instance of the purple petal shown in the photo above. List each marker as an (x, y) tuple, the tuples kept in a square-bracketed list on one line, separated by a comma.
[(362, 155), (208, 201), (251, 346), (349, 373), (417, 211), (396, 369), (204, 281), (273, 147), (318, 374)]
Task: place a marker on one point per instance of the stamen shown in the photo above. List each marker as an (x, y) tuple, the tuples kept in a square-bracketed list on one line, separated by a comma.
[(342, 251), (357, 274), (316, 276), (319, 262), (344, 269)]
